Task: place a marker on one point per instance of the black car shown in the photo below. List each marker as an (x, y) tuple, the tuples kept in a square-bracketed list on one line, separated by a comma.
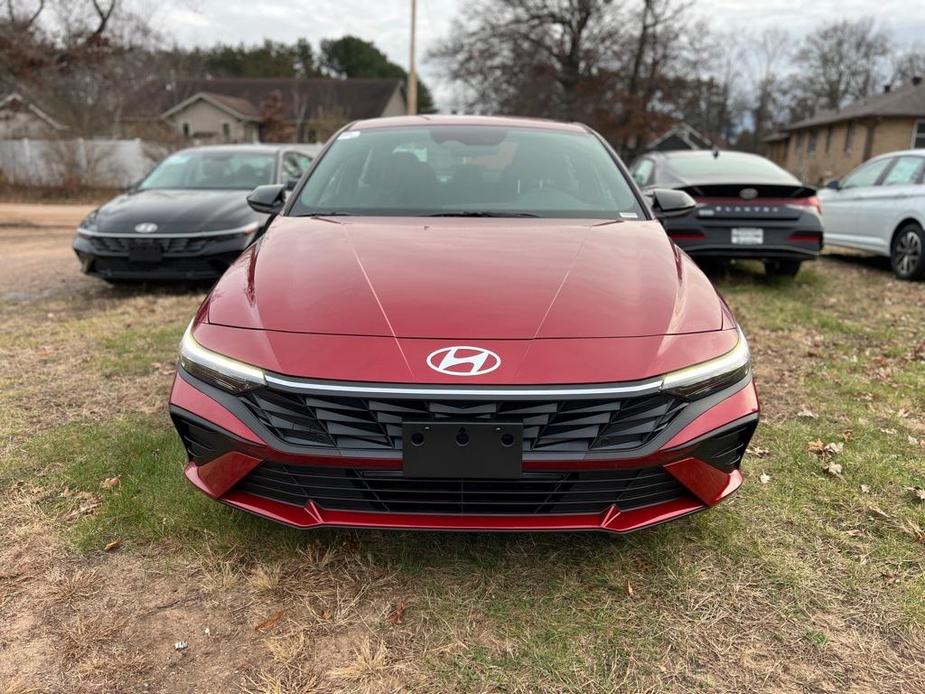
[(748, 207), (189, 218)]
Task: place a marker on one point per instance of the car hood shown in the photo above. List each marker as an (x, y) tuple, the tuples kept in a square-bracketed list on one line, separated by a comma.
[(176, 211), (466, 279)]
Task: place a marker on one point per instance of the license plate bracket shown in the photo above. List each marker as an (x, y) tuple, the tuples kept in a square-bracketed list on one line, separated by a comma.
[(748, 236), (145, 252), (462, 450)]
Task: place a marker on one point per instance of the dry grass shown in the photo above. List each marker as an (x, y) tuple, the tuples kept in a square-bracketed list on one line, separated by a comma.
[(806, 583)]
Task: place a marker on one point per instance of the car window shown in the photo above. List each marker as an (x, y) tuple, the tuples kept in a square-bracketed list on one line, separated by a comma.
[(866, 174), (295, 164), (724, 165), (212, 170), (905, 171), (642, 171), (474, 169)]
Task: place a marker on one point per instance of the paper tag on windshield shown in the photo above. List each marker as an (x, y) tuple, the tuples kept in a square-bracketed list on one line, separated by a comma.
[(629, 215), (349, 135)]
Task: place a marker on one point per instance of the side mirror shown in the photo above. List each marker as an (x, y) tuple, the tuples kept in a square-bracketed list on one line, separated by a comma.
[(833, 184), (291, 183), (666, 202), (267, 199), (132, 187)]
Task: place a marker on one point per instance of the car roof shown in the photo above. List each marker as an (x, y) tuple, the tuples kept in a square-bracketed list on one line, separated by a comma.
[(900, 152), (436, 119), (693, 153)]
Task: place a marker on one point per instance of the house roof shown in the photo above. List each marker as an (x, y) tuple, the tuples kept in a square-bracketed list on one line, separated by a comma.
[(684, 133), (903, 101), (16, 98), (352, 98), (237, 107), (777, 137)]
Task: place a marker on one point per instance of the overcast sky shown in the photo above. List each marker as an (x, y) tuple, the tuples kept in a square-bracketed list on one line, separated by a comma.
[(386, 22)]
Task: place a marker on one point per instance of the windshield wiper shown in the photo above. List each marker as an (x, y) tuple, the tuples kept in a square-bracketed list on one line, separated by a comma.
[(482, 213), (332, 213)]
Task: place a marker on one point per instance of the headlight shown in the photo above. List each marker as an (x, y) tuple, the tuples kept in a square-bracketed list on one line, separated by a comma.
[(709, 376), (88, 223), (217, 369)]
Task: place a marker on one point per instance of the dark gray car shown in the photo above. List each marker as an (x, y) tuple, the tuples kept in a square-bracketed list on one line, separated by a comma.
[(747, 207), (189, 218)]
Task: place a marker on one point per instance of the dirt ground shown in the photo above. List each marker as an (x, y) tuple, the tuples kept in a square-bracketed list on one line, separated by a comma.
[(328, 613)]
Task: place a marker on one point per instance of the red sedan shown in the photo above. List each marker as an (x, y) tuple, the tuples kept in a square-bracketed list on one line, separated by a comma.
[(465, 323)]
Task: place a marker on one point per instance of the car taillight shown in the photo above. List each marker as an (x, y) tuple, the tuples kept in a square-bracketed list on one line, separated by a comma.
[(686, 234), (812, 201)]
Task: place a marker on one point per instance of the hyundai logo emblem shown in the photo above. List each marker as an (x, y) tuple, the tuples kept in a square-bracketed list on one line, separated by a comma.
[(748, 193), (146, 227), (463, 360)]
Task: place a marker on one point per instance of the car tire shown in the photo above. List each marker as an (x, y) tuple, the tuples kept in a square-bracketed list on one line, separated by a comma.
[(782, 268), (907, 255)]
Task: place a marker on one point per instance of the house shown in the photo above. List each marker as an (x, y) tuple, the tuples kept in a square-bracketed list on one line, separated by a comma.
[(21, 118), (679, 137), (253, 109), (832, 143)]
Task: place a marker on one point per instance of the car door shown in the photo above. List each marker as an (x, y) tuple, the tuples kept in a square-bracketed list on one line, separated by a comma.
[(841, 207), (885, 205)]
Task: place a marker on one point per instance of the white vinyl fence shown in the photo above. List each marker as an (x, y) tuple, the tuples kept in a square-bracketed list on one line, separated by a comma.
[(91, 163)]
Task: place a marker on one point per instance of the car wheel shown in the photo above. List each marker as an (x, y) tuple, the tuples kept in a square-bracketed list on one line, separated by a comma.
[(782, 268), (908, 253)]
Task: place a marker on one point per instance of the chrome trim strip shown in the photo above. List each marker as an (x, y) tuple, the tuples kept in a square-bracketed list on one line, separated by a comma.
[(246, 229), (652, 386)]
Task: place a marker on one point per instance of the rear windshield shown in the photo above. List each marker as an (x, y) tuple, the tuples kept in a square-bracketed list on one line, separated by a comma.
[(727, 165), (467, 170), (212, 170)]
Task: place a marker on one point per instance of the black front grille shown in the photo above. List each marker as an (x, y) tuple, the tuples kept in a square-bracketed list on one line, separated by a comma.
[(535, 493), (168, 246), (563, 426)]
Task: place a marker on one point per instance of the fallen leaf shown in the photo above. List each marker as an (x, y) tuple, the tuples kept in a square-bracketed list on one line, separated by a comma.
[(847, 434), (834, 448), (915, 531), (110, 482), (911, 440), (903, 413), (889, 432), (865, 489), (833, 469), (764, 478), (877, 511), (757, 451), (806, 413), (917, 492), (816, 447), (180, 646), (270, 622), (396, 615), (629, 589), (112, 546)]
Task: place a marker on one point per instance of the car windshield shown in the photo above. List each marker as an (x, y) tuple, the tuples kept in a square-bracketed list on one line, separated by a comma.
[(212, 170), (726, 165), (472, 170)]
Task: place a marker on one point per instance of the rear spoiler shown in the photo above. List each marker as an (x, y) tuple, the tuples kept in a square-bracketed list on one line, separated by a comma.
[(733, 190)]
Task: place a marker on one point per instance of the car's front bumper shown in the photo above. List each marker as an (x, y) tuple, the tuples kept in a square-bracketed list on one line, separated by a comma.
[(691, 465), (180, 258)]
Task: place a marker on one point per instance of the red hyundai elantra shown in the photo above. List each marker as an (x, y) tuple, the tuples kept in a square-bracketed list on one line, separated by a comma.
[(470, 324)]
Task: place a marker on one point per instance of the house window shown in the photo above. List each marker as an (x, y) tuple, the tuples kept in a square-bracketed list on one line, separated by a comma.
[(798, 142), (185, 129), (849, 136), (811, 143), (226, 130), (918, 135), (828, 139)]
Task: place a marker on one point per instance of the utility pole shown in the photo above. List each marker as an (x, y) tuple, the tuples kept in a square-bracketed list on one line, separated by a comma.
[(412, 72)]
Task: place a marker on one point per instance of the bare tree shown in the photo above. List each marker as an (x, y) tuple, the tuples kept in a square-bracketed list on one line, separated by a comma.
[(840, 62)]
